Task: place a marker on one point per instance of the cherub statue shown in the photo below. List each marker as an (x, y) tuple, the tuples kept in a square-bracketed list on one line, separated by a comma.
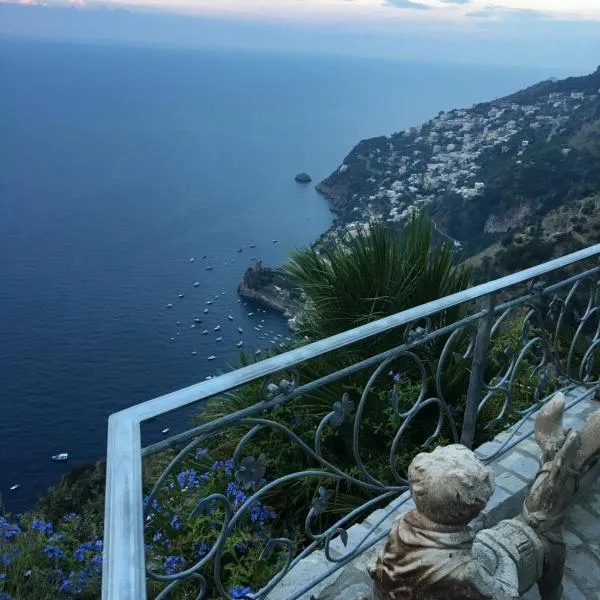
[(431, 554)]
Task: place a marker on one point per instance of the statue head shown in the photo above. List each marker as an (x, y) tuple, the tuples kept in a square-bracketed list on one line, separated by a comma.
[(450, 485)]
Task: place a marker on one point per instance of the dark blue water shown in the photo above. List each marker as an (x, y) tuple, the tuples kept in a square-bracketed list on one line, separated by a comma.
[(117, 165)]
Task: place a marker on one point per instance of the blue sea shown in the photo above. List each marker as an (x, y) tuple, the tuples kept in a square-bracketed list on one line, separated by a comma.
[(120, 164)]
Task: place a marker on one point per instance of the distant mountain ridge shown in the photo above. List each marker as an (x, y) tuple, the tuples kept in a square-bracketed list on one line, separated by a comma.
[(482, 173)]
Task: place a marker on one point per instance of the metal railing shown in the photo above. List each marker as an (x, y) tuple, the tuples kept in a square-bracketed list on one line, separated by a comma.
[(509, 344)]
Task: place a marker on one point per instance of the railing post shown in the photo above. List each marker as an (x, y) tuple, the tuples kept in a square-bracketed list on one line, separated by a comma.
[(482, 342)]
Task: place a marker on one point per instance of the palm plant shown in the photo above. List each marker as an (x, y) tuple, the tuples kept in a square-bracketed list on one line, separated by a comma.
[(375, 273)]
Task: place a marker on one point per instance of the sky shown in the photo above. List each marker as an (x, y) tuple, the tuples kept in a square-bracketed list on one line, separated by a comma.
[(550, 33)]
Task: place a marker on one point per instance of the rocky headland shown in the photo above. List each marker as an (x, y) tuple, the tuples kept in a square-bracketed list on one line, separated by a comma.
[(271, 288)]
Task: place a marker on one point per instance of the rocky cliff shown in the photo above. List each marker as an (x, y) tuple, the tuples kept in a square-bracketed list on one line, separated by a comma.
[(273, 289), (480, 172)]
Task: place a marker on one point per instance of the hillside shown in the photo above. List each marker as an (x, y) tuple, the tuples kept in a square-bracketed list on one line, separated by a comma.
[(482, 173)]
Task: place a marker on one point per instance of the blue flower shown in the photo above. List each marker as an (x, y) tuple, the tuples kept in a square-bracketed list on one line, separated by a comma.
[(200, 453), (224, 465), (9, 530), (176, 522), (157, 536), (200, 549), (79, 554), (6, 558), (41, 527), (240, 592), (238, 496), (53, 551), (71, 517), (55, 537), (73, 584), (188, 479), (172, 562), (397, 377)]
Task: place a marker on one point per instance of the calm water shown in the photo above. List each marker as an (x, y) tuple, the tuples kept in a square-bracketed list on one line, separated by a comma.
[(117, 165)]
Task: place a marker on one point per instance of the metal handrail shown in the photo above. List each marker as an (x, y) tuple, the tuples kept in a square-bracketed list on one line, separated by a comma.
[(123, 563)]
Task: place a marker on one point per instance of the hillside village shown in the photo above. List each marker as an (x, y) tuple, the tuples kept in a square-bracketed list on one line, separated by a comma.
[(455, 158)]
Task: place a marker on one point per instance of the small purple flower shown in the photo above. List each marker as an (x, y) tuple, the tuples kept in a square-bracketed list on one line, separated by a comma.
[(41, 527), (240, 592), (176, 522), (172, 562), (157, 536), (53, 552), (71, 517), (6, 558), (8, 530), (200, 453), (397, 376), (200, 549)]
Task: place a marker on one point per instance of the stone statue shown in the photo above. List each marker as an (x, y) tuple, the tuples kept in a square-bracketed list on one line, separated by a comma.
[(431, 554)]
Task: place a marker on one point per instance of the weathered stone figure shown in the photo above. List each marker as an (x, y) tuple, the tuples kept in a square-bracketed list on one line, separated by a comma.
[(431, 554)]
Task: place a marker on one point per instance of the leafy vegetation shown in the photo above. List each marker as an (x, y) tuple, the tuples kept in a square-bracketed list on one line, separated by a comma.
[(56, 550)]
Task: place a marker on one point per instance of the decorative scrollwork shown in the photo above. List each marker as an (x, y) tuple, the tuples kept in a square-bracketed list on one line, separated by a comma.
[(406, 398)]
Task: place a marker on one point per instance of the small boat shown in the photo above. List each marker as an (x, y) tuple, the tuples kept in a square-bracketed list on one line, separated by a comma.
[(274, 241), (240, 344), (257, 329), (240, 330), (252, 246), (178, 334), (209, 301), (192, 259), (193, 326), (216, 296), (178, 323), (230, 317), (205, 310), (217, 328), (262, 320), (239, 250), (208, 377), (169, 305), (197, 320), (12, 488), (219, 338), (222, 293), (61, 456), (165, 431), (239, 301), (196, 283), (204, 256), (172, 339), (204, 331), (250, 314), (259, 351), (212, 357), (181, 295), (209, 268), (194, 353)]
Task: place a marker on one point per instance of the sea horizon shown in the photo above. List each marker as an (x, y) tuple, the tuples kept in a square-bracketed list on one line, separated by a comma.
[(122, 164)]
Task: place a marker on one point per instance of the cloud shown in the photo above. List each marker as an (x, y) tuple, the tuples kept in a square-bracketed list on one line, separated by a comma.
[(504, 13), (456, 1), (406, 4)]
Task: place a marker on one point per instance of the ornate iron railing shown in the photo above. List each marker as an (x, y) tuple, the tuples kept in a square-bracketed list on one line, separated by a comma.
[(452, 370)]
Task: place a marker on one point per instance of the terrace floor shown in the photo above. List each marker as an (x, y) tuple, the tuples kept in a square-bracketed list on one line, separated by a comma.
[(582, 534)]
